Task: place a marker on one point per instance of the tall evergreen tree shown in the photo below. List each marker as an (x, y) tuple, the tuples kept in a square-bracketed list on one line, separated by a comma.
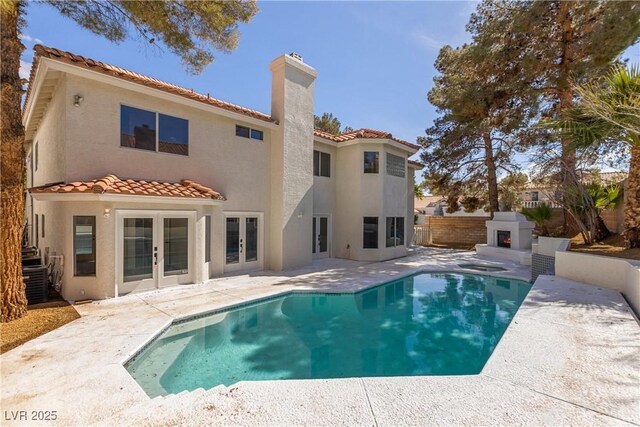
[(189, 29), (330, 124), (479, 128), (556, 43)]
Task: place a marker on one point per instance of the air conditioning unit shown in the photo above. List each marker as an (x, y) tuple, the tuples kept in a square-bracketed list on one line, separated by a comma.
[(37, 281)]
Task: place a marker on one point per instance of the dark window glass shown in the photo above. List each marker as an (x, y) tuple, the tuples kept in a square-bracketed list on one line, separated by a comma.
[(43, 226), (137, 128), (37, 230), (316, 163), (394, 235), (256, 134), (242, 131), (174, 135), (370, 232), (325, 164), (137, 257), (84, 245), (371, 161), (207, 238), (251, 234), (233, 240), (321, 163), (35, 149), (176, 246)]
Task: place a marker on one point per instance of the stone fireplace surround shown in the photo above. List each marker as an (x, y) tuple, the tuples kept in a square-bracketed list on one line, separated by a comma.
[(520, 233)]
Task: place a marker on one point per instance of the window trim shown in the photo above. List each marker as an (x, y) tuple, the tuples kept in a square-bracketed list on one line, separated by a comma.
[(157, 131), (93, 246)]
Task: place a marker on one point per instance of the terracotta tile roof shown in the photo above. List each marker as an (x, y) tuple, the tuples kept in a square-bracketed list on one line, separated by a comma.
[(418, 165), (112, 70), (111, 184), (362, 134)]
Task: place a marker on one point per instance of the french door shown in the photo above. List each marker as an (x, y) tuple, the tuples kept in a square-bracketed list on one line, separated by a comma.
[(154, 249), (320, 236), (243, 242)]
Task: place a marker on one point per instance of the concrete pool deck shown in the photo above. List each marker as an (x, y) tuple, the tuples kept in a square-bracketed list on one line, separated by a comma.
[(570, 356)]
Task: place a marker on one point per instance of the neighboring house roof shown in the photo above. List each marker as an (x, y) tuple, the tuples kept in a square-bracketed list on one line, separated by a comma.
[(428, 201), (605, 178), (363, 133), (111, 184), (111, 70), (417, 165)]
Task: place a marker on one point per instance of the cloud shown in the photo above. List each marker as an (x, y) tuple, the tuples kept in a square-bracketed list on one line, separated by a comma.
[(428, 42), (25, 69), (28, 39)]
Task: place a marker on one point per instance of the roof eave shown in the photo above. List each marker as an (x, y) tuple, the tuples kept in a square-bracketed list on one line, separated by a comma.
[(124, 198), (159, 93)]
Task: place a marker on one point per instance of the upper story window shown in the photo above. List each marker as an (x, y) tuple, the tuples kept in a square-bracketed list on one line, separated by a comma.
[(245, 132), (138, 130), (371, 162), (321, 163), (395, 165)]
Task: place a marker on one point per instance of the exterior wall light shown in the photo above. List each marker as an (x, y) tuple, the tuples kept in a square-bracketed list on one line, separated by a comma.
[(107, 212), (77, 100)]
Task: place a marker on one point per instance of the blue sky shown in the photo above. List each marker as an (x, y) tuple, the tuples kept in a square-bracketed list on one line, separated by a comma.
[(374, 59)]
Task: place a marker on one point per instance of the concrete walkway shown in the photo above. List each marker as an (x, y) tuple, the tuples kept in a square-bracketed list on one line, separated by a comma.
[(570, 356)]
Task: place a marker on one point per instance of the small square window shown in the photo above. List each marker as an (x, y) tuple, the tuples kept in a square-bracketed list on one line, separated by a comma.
[(256, 134), (242, 131), (371, 161)]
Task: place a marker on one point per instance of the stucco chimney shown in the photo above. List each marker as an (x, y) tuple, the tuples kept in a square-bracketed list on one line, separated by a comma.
[(292, 87)]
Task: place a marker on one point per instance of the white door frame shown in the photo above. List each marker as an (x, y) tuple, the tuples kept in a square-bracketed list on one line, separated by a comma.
[(157, 280), (317, 253), (242, 265)]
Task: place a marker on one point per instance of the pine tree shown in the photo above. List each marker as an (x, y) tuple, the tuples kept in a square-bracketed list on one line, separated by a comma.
[(553, 44), (189, 29)]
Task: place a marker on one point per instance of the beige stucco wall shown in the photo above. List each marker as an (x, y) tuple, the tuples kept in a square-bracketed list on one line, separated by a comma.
[(324, 192), (377, 195), (292, 102), (606, 272)]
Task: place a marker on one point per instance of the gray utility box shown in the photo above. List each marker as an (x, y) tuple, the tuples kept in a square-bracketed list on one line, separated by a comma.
[(37, 281)]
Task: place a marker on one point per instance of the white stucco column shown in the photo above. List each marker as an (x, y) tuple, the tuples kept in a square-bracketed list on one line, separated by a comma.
[(291, 162)]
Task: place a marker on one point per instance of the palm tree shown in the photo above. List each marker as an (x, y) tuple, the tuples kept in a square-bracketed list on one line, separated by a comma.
[(540, 215), (418, 191), (609, 110), (603, 198)]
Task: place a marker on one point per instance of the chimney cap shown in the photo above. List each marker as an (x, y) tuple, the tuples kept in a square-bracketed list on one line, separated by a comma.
[(296, 56)]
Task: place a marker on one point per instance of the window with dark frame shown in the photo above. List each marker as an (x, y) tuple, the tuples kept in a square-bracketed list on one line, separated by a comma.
[(35, 155), (37, 230), (151, 131), (247, 132), (370, 232), (42, 226), (394, 235), (371, 162), (207, 238), (84, 245), (321, 164)]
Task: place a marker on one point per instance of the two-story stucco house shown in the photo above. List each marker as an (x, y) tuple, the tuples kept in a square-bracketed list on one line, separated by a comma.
[(142, 184)]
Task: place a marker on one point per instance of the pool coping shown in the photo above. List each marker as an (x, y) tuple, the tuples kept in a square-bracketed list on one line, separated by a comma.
[(515, 375)]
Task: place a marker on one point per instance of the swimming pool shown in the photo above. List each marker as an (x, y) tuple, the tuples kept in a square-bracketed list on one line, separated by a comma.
[(426, 324)]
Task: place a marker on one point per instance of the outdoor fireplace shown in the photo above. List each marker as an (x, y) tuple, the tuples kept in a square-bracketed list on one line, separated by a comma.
[(504, 238), (508, 237)]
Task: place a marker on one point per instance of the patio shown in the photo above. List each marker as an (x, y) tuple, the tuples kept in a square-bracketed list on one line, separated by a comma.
[(570, 356)]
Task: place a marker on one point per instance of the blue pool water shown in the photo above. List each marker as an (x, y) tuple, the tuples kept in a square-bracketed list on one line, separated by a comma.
[(427, 324)]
